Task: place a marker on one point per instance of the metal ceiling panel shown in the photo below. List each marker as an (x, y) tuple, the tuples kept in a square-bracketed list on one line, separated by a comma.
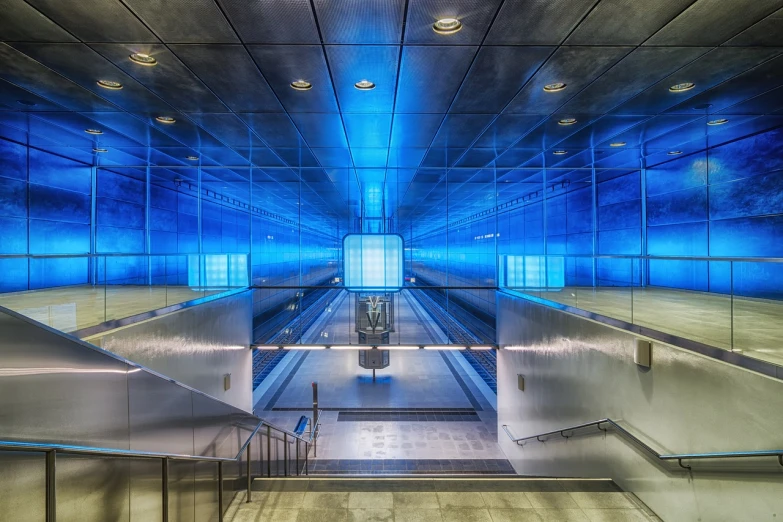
[(577, 67), (352, 63), (712, 22), (601, 130), (652, 128), (76, 123), (184, 21), (22, 22), (230, 72), (170, 79), (460, 130), (272, 21), (506, 130), (633, 74), (367, 130), (422, 91), (476, 158), (282, 65), (767, 32), (21, 100), (495, 77), (405, 157), (707, 71), (371, 158), (229, 129), (24, 72), (333, 157), (475, 15), (133, 127), (96, 20), (82, 65), (360, 21), (276, 130), (321, 130), (550, 132), (414, 130), (537, 22), (515, 157), (766, 103), (300, 157), (625, 22)]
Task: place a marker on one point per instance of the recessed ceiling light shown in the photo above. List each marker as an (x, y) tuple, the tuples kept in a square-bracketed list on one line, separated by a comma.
[(719, 121), (26, 103), (109, 84), (301, 85), (567, 121), (165, 119), (618, 144), (192, 158), (674, 152), (682, 87), (143, 59), (100, 150), (93, 131), (560, 152), (364, 85), (447, 26), (554, 87)]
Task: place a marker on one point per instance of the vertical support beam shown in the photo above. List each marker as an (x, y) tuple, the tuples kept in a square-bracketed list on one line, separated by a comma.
[(268, 452), (315, 418), (644, 265), (51, 486), (297, 457), (285, 454), (165, 489), (92, 262), (594, 210), (249, 477), (147, 242), (307, 451), (220, 491)]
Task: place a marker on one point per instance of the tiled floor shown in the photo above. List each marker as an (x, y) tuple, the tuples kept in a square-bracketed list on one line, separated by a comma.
[(438, 500), (75, 307)]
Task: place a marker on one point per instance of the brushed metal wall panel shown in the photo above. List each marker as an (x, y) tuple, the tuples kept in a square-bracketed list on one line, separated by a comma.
[(92, 489), (195, 346), (583, 371), (22, 486), (146, 483), (206, 499), (182, 490)]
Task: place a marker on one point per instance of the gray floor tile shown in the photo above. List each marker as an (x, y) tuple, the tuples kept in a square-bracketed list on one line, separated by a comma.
[(603, 500), (281, 499), (322, 515), (327, 500), (370, 515), (548, 500), (514, 515), (417, 515), (465, 515), (506, 500), (562, 515), (371, 500), (616, 515), (464, 499), (417, 500), (278, 515)]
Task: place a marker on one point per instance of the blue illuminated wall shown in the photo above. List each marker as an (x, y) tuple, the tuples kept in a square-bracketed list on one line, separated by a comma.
[(373, 261)]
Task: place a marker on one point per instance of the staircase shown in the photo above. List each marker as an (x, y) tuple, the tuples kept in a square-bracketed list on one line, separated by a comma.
[(336, 499)]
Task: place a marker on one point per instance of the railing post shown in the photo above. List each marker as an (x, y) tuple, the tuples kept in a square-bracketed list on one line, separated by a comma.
[(285, 454), (220, 491), (51, 486), (269, 451), (307, 450), (165, 488), (297, 457), (249, 479)]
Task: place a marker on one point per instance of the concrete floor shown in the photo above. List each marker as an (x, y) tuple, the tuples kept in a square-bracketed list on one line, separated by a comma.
[(438, 500), (75, 307), (747, 325)]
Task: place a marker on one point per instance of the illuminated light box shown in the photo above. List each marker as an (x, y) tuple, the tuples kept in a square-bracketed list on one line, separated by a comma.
[(372, 262)]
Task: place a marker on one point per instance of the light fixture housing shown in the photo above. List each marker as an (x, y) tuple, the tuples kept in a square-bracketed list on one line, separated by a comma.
[(110, 84), (567, 121), (165, 119), (554, 87), (445, 347), (26, 103), (301, 85), (674, 152), (305, 347), (447, 26), (192, 158), (719, 121), (682, 87), (94, 132), (618, 144), (364, 85), (481, 347), (100, 150), (143, 59), (560, 152)]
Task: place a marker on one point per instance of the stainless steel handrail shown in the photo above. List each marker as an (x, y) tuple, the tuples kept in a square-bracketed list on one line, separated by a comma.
[(117, 254), (679, 457), (656, 258)]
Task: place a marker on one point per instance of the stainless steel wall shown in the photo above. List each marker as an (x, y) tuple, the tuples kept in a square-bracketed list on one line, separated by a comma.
[(577, 371), (196, 346)]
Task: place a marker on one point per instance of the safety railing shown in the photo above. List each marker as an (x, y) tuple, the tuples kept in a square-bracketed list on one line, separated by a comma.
[(263, 432), (727, 303), (571, 431), (75, 292)]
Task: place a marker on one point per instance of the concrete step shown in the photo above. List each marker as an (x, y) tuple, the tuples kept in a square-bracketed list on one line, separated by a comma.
[(452, 499)]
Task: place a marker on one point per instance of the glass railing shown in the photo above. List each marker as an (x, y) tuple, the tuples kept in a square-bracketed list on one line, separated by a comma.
[(731, 303), (74, 292)]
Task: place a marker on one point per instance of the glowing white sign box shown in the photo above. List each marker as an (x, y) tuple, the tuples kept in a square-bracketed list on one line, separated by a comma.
[(372, 261)]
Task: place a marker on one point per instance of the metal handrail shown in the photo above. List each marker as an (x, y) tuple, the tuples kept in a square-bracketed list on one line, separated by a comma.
[(679, 457), (661, 258), (118, 254)]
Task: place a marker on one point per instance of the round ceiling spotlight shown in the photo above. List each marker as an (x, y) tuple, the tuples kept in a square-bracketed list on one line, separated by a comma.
[(364, 85), (618, 144), (554, 87), (192, 158), (100, 150), (682, 87), (26, 103), (165, 119), (674, 152), (109, 84), (567, 121), (301, 85), (560, 152), (719, 121), (447, 26), (93, 131), (143, 59)]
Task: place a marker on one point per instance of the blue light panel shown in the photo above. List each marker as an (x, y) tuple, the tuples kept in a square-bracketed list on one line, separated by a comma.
[(373, 261)]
